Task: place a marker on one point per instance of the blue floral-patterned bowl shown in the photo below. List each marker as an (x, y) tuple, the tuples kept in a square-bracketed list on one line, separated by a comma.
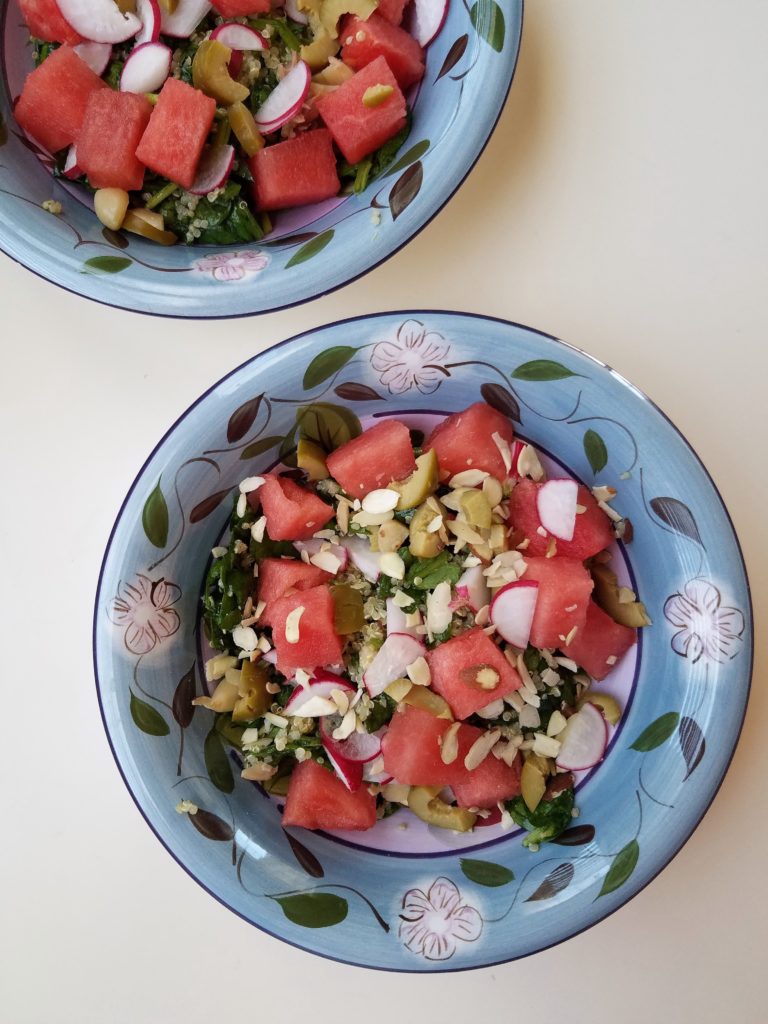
[(312, 250), (417, 899)]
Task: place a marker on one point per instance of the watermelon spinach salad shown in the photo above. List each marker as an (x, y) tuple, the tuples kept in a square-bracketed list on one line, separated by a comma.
[(193, 122), (417, 623)]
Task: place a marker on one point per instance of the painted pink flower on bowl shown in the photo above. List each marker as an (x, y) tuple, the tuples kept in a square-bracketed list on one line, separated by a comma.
[(233, 266), (144, 609), (411, 360), (706, 628), (433, 923)]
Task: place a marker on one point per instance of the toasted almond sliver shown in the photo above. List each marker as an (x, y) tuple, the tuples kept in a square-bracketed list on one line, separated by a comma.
[(610, 512), (258, 772), (546, 746), (449, 748), (435, 525), (392, 565), (363, 518), (251, 483), (383, 499), (245, 638), (401, 599), (341, 699), (528, 463), (347, 726), (481, 748), (482, 616), (464, 532), (292, 624), (470, 562), (504, 450), (493, 491), (556, 724), (342, 515), (468, 478), (277, 720), (327, 561), (418, 672), (242, 505)]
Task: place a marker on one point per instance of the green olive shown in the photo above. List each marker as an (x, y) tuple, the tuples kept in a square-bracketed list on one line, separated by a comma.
[(254, 699), (427, 700), (607, 595), (311, 458), (476, 509), (420, 484), (533, 783), (424, 544), (427, 805), (348, 614), (211, 74), (608, 705)]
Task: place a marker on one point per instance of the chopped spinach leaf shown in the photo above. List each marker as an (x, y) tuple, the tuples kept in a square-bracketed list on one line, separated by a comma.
[(550, 818), (381, 712)]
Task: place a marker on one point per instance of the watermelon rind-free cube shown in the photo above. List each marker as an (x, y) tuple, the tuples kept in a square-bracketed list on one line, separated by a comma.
[(241, 8), (174, 138), (392, 10), (358, 129), (382, 454), (113, 125), (364, 41), (411, 748), (296, 172), (318, 799), (54, 99), (293, 512), (562, 599), (464, 441), (454, 666), (600, 644), (45, 21), (592, 532), (490, 781), (317, 645), (280, 576)]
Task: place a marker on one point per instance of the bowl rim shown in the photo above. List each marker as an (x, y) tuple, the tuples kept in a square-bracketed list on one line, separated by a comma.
[(4, 8), (625, 383)]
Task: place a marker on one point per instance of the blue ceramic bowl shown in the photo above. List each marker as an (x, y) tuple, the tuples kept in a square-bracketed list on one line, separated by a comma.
[(416, 899), (311, 250)]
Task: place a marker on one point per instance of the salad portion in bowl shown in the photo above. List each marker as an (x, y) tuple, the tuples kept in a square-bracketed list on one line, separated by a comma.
[(193, 123), (419, 622)]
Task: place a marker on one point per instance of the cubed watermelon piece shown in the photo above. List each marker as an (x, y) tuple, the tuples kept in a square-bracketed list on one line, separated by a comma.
[(106, 146), (454, 666), (295, 172), (492, 780), (281, 576), (600, 643), (364, 41), (292, 511), (563, 598), (53, 101), (411, 748), (593, 531), (392, 10), (318, 799), (318, 645), (377, 457), (45, 21), (241, 8), (176, 133), (465, 441), (359, 130)]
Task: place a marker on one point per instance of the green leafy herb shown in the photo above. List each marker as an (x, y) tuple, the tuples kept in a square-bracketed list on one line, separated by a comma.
[(426, 573), (289, 34), (381, 712), (41, 50), (549, 819), (222, 220)]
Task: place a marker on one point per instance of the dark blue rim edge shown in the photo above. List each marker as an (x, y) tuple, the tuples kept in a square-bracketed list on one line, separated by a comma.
[(328, 291), (504, 323)]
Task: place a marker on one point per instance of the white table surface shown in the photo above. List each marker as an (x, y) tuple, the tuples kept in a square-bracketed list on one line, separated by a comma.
[(621, 205)]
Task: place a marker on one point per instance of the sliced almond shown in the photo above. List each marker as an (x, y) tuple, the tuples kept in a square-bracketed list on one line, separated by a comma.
[(392, 565), (504, 450), (481, 748), (251, 483), (382, 499), (418, 672), (468, 478), (449, 748), (493, 491), (292, 624), (258, 772)]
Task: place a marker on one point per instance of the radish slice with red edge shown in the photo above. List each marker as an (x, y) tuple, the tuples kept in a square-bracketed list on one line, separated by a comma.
[(361, 747), (426, 19), (213, 170), (151, 19), (293, 12), (185, 19), (379, 778), (239, 37), (397, 620), (556, 504), (314, 700), (99, 21), (146, 68), (512, 609), (363, 557), (392, 659), (583, 740), (96, 55), (350, 772), (270, 657), (71, 169), (285, 100), (315, 544), (517, 447), (473, 588)]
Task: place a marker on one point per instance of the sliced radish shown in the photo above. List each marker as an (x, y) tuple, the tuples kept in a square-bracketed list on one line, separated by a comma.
[(363, 557), (96, 55), (512, 610), (350, 772), (71, 169), (146, 68), (285, 100), (516, 449), (213, 170), (239, 37), (99, 21), (397, 620), (493, 819), (151, 19), (472, 586), (556, 504), (426, 19), (293, 12), (359, 746), (394, 656), (583, 740), (185, 19), (314, 701), (315, 544)]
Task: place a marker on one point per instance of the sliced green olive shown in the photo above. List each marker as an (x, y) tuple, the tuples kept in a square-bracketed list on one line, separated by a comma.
[(321, 49), (277, 785), (391, 535), (427, 805), (247, 134), (311, 458), (211, 74), (476, 509), (169, 6), (608, 705), (254, 699), (348, 614), (608, 595), (424, 544), (335, 74), (420, 484), (427, 700), (533, 783), (136, 224), (399, 689), (331, 12)]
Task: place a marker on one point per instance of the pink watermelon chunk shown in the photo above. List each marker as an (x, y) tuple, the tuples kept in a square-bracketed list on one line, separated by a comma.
[(292, 173), (491, 781), (380, 455), (600, 643), (318, 799), (176, 133), (411, 748), (45, 21), (392, 10), (454, 666), (106, 146), (593, 531), (281, 576), (52, 104), (563, 599), (465, 441), (318, 645), (293, 512), (359, 130), (241, 8), (364, 41)]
